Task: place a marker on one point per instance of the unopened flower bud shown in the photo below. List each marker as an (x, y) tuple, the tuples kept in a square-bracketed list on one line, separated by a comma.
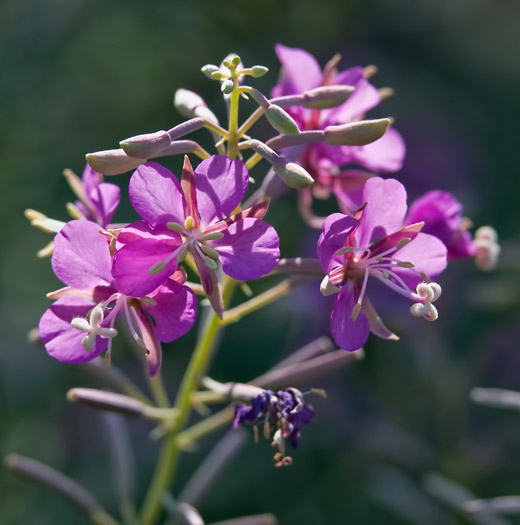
[(189, 105), (146, 145), (258, 71), (112, 161), (281, 120), (356, 133), (325, 97), (488, 249), (227, 86), (293, 174), (209, 69)]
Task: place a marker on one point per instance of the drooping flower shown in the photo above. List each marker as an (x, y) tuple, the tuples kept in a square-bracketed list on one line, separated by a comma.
[(97, 203), (302, 72), (98, 200), (442, 217), (286, 411), (194, 216), (442, 214), (80, 325), (376, 243)]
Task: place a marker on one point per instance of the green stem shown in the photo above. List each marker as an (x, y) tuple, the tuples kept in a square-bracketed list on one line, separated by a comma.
[(263, 299), (169, 455), (233, 137), (159, 391)]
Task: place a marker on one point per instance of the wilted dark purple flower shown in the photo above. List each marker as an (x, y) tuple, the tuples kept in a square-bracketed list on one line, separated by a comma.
[(286, 411)]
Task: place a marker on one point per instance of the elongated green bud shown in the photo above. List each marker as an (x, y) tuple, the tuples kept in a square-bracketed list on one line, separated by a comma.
[(293, 174), (356, 133), (258, 71), (281, 120), (112, 161), (107, 401), (326, 97), (146, 145), (189, 105), (209, 69)]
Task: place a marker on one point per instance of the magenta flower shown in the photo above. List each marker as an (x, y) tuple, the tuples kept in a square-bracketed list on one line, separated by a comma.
[(98, 199), (302, 72), (79, 326), (375, 242), (194, 216), (442, 217)]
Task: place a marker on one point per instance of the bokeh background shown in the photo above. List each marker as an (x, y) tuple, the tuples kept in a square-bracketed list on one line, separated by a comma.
[(78, 76)]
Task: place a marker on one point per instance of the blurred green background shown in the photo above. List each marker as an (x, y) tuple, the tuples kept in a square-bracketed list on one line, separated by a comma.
[(78, 76)]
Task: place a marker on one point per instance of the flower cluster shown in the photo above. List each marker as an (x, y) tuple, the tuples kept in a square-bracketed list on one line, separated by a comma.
[(204, 232), (199, 222)]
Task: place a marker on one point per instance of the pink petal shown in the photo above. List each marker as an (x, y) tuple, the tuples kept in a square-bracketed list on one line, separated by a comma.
[(385, 154), (301, 70), (108, 200), (133, 261), (336, 228), (427, 253), (175, 311), (348, 188), (156, 194), (384, 212), (62, 341), (221, 185), (349, 335), (248, 249), (81, 258)]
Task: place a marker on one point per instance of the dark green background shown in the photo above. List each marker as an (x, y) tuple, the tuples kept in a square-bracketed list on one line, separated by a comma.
[(78, 76)]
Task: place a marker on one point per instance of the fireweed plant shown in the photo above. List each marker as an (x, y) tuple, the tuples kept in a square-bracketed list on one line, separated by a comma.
[(205, 231)]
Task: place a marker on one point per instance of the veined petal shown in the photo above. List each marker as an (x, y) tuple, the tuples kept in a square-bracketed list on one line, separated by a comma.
[(63, 341), (257, 211), (427, 253), (174, 312), (141, 230), (134, 260), (384, 212), (221, 185), (248, 249), (377, 326), (336, 228), (349, 335), (156, 194), (152, 344), (81, 258), (107, 201), (301, 70)]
